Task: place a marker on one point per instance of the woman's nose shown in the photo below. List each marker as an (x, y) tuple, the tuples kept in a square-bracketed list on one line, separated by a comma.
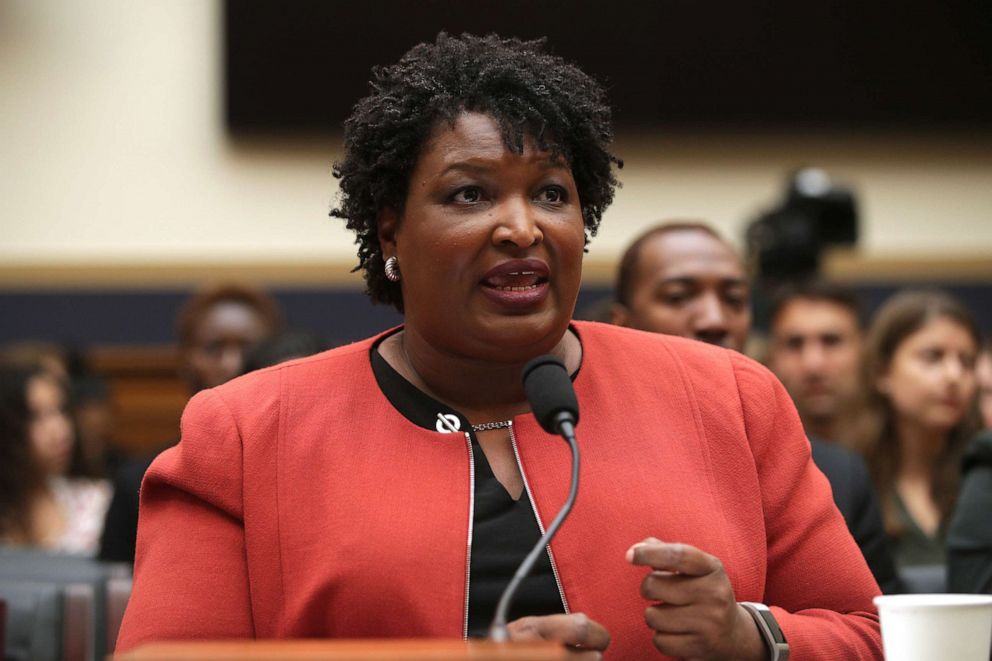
[(232, 361), (954, 369), (516, 224), (62, 430)]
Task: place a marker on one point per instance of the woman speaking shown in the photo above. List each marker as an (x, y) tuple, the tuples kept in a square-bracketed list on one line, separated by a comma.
[(391, 487)]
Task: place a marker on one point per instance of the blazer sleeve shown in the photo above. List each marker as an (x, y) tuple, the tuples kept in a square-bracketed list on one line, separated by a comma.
[(817, 584), (191, 577)]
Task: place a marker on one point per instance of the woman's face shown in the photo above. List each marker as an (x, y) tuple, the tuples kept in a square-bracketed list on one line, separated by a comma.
[(983, 373), (222, 339), (489, 244), (49, 429), (931, 378)]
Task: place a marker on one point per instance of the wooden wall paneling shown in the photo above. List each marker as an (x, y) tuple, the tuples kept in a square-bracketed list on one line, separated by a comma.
[(147, 394)]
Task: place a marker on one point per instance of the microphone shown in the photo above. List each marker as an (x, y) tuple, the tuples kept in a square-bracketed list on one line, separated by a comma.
[(551, 396), (552, 400)]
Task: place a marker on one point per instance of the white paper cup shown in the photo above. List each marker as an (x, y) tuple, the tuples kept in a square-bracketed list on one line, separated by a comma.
[(936, 627)]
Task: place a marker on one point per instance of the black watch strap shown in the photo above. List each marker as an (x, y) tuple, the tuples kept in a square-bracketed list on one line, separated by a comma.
[(778, 647)]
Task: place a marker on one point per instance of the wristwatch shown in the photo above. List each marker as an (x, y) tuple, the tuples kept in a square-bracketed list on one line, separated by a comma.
[(778, 647)]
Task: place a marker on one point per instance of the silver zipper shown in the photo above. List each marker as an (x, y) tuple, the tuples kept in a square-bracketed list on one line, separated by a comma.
[(471, 517), (445, 422), (533, 505)]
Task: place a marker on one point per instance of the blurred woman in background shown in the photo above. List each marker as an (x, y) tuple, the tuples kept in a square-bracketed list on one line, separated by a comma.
[(920, 380), (983, 372), (39, 505)]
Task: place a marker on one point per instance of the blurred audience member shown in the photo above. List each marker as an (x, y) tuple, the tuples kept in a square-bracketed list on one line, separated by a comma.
[(682, 278), (969, 536), (93, 413), (217, 328), (983, 372), (89, 402), (39, 505), (50, 357), (920, 378), (703, 293), (815, 350), (293, 343)]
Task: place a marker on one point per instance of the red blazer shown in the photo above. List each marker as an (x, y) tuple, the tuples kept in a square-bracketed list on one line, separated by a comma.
[(300, 503)]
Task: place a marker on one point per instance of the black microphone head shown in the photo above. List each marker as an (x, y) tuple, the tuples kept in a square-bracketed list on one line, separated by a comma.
[(550, 392)]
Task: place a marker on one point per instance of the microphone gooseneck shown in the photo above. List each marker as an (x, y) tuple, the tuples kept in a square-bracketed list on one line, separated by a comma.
[(552, 400)]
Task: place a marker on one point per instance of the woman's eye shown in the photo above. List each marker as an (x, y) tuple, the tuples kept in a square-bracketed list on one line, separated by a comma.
[(553, 194), (467, 195), (214, 348)]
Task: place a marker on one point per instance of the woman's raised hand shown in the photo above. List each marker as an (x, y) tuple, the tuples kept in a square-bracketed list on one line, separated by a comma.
[(695, 614), (585, 639)]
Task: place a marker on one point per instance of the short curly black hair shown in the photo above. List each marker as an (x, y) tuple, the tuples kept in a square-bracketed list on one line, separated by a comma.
[(529, 92)]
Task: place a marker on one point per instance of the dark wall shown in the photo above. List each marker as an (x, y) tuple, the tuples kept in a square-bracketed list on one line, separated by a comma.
[(147, 317), (301, 65)]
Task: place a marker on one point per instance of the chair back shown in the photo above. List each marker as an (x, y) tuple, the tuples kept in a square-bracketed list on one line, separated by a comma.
[(33, 620), (91, 598)]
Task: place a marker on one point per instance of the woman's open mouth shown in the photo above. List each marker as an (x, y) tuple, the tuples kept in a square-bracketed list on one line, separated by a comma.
[(518, 283)]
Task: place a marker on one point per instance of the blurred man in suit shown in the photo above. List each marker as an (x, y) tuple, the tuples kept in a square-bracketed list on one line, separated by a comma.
[(815, 350), (682, 278)]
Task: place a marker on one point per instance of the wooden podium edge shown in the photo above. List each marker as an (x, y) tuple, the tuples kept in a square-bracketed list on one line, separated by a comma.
[(393, 649)]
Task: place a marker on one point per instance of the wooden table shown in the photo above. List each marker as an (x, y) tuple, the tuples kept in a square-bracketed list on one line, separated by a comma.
[(419, 649)]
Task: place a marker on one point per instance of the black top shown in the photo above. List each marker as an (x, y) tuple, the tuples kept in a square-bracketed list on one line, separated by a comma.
[(503, 530)]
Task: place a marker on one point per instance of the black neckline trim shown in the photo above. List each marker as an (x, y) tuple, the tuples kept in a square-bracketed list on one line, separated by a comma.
[(414, 404)]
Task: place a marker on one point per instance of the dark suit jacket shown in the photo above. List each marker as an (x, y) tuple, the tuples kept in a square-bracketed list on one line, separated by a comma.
[(856, 500), (120, 528), (969, 539)]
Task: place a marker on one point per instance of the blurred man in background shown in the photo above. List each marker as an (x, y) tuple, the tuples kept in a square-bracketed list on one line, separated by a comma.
[(684, 279), (815, 350), (217, 328)]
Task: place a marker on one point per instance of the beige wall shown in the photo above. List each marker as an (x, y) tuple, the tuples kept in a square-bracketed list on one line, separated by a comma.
[(114, 153)]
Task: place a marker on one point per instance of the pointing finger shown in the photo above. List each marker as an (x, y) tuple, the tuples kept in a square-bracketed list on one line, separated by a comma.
[(674, 557)]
